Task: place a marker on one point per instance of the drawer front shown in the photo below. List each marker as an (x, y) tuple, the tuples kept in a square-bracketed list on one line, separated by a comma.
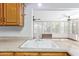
[(34, 54), (53, 54), (6, 54), (26, 54)]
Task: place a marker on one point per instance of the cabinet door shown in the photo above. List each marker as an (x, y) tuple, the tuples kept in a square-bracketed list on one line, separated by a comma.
[(12, 14), (1, 13)]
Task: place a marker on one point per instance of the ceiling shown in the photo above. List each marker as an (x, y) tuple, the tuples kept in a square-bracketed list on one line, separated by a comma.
[(54, 6)]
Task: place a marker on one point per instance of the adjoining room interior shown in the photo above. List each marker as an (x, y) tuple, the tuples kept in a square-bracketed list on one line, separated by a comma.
[(39, 29)]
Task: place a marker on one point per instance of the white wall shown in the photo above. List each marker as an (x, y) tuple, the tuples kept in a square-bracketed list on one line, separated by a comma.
[(75, 34), (50, 15)]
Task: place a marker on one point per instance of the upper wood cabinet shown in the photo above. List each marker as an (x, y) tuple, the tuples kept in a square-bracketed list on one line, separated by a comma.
[(11, 14), (1, 14)]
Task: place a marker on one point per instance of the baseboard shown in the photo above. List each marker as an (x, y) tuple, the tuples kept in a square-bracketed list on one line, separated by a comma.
[(72, 39)]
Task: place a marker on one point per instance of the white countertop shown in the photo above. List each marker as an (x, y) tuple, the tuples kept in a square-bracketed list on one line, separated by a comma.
[(13, 45)]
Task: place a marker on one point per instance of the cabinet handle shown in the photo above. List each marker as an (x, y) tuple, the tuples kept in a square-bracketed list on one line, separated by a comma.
[(3, 19)]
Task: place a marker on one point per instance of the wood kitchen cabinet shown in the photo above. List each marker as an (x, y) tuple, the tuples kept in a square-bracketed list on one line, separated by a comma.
[(11, 14), (34, 54), (41, 54), (6, 54)]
